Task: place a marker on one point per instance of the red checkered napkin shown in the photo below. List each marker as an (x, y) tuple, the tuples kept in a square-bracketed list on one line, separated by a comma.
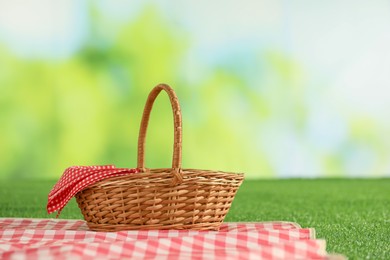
[(76, 178)]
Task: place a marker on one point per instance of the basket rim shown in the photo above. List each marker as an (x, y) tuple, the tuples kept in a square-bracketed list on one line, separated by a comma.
[(163, 177)]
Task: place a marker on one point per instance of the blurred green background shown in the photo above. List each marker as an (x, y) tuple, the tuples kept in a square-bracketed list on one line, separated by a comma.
[(269, 88)]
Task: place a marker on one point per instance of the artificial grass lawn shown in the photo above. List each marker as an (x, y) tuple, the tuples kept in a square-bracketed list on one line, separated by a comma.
[(353, 215)]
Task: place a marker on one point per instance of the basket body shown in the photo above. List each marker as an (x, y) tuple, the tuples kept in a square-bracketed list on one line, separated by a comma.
[(166, 198), (149, 201)]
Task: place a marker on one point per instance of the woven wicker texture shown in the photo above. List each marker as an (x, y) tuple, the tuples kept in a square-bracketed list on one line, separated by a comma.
[(166, 198)]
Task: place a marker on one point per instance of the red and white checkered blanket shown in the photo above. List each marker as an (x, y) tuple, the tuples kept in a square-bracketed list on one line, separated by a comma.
[(70, 239)]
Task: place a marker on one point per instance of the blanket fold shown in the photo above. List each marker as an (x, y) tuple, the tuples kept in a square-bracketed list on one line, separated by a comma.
[(71, 239)]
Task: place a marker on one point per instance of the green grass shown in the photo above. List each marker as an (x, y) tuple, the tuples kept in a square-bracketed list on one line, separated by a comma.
[(353, 215)]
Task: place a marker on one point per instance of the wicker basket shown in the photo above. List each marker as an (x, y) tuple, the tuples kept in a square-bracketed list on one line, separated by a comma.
[(168, 198)]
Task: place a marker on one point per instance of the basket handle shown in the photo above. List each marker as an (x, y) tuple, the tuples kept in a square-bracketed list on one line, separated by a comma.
[(176, 160)]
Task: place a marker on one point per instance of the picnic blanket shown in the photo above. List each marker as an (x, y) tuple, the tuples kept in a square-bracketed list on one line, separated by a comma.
[(70, 239)]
